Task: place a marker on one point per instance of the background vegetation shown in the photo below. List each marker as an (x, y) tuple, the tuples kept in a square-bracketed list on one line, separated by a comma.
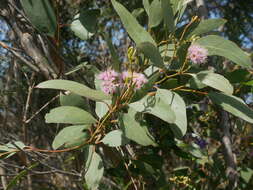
[(35, 47)]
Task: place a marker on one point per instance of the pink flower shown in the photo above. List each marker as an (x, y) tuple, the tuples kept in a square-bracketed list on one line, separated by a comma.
[(138, 78), (108, 75), (197, 54), (110, 81)]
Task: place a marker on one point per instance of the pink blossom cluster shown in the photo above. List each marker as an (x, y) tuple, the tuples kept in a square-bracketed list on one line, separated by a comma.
[(197, 54), (112, 80), (138, 78)]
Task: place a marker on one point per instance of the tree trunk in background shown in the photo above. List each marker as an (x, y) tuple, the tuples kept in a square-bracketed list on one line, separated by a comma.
[(27, 40)]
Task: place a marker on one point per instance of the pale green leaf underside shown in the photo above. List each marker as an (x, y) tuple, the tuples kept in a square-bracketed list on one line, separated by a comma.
[(95, 170), (115, 138), (74, 87), (217, 45), (70, 115), (233, 105), (71, 136)]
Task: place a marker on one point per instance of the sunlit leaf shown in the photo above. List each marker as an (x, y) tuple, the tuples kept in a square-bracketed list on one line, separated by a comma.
[(155, 13), (69, 114), (214, 80), (84, 23), (233, 105), (134, 29), (95, 170), (115, 138), (134, 131), (217, 45), (74, 87), (206, 26), (71, 136)]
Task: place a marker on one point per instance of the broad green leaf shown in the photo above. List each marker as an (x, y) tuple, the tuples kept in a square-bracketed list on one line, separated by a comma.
[(155, 13), (157, 105), (207, 78), (69, 114), (84, 23), (217, 45), (146, 6), (134, 131), (168, 15), (179, 109), (95, 170), (101, 109), (71, 136), (115, 56), (233, 105), (134, 29), (41, 14), (151, 52), (74, 87), (74, 100), (115, 138), (206, 26)]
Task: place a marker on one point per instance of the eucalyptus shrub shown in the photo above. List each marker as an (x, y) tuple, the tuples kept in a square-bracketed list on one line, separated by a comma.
[(142, 106)]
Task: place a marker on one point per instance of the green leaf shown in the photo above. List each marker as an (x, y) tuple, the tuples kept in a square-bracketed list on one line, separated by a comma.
[(69, 114), (217, 45), (74, 100), (178, 7), (95, 170), (115, 138), (115, 56), (233, 105), (71, 136), (246, 174), (134, 29), (151, 52), (101, 109), (168, 15), (238, 75), (146, 6), (179, 109), (74, 87), (84, 24), (134, 131), (207, 78), (249, 83), (11, 146), (206, 26), (155, 13), (157, 105), (41, 14), (137, 12)]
